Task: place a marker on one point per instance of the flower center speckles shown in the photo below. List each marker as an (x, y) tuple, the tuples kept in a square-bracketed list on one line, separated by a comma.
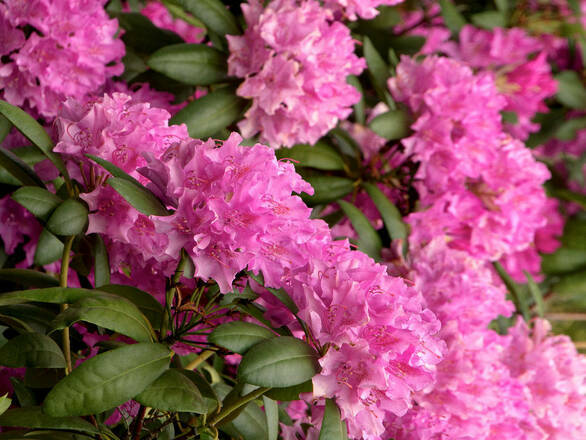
[(182, 225), (348, 374)]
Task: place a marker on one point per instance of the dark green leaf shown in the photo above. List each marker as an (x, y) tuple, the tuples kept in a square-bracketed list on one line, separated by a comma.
[(369, 241), (239, 336), (107, 380), (108, 311), (406, 44), (39, 318), (211, 113), (564, 260), (515, 290), (321, 156), (5, 127), (571, 91), (332, 427), (173, 391), (214, 14), (53, 295), (571, 284), (535, 293), (391, 216), (569, 129), (24, 395), (101, 262), (33, 417), (146, 303), (359, 111), (40, 202), (139, 197), (327, 189), (69, 218), (5, 403), (452, 17), (378, 71), (193, 64), (391, 125), (17, 324), (28, 278), (19, 169), (142, 35), (209, 394), (113, 169), (290, 393), (510, 117), (250, 423), (32, 350), (278, 362), (49, 249), (33, 131), (272, 417), (489, 19)]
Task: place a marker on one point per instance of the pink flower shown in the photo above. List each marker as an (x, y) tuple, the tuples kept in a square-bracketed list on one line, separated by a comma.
[(352, 9)]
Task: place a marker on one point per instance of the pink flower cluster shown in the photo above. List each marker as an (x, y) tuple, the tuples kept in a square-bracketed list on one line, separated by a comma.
[(480, 187), (295, 60), (71, 51), (234, 210)]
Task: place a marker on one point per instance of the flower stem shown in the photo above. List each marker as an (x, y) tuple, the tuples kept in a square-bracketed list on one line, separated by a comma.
[(63, 283), (198, 360), (227, 410)]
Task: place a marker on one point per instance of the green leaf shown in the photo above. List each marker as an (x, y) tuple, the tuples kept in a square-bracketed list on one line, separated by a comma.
[(489, 19), (510, 117), (24, 395), (564, 260), (49, 249), (173, 391), (139, 197), (40, 202), (146, 303), (452, 17), (290, 393), (210, 396), (250, 423), (142, 35), (69, 218), (568, 130), (321, 156), (272, 417), (53, 295), (391, 216), (574, 283), (327, 189), (34, 132), (391, 125), (239, 336), (378, 71), (278, 362), (5, 403), (193, 64), (19, 169), (535, 293), (571, 91), (113, 169), (406, 44), (359, 107), (332, 427), (39, 318), (214, 14), (28, 278), (33, 417), (101, 262), (211, 113), (108, 311), (514, 289), (369, 241), (107, 380), (31, 350), (5, 127)]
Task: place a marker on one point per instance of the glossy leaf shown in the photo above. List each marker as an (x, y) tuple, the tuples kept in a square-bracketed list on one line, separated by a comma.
[(278, 362), (391, 216), (272, 417), (101, 262), (332, 427), (378, 70), (146, 303), (193, 64), (40, 202), (452, 17), (571, 90), (239, 336), (33, 131), (19, 169), (49, 249), (359, 107), (320, 156), (250, 424), (142, 35), (108, 311), (53, 295), (211, 113), (369, 241), (138, 196), (69, 218), (33, 417), (214, 14), (391, 125), (28, 278), (107, 380), (208, 393), (327, 189), (31, 350), (173, 391)]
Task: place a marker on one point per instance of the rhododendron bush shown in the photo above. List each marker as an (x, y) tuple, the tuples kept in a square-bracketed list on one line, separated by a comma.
[(295, 219)]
